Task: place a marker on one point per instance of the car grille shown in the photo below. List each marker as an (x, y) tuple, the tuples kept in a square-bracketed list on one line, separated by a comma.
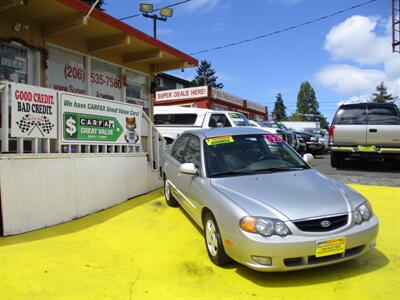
[(316, 226)]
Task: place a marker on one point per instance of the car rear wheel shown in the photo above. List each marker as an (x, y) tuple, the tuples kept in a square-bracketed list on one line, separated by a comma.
[(169, 198), (214, 246), (336, 158)]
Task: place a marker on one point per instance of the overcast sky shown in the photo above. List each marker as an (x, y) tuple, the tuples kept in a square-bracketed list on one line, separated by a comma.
[(344, 57)]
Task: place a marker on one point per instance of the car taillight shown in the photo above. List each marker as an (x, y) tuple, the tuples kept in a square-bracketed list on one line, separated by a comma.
[(331, 131)]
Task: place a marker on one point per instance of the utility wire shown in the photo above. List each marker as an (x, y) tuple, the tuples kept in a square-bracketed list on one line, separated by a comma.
[(284, 29), (157, 9)]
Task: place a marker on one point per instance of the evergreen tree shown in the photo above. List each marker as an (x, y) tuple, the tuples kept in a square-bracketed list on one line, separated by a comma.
[(98, 6), (279, 112), (381, 95), (307, 103), (323, 122), (205, 75)]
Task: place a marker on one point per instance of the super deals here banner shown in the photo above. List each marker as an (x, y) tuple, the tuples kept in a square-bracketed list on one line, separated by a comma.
[(97, 121), (33, 111)]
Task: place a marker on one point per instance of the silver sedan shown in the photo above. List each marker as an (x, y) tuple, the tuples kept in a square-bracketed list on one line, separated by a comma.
[(261, 204)]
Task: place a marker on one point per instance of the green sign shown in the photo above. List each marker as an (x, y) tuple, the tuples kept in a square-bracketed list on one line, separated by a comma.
[(85, 127)]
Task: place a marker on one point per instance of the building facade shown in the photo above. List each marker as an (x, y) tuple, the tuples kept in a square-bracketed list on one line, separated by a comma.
[(76, 110), (172, 90)]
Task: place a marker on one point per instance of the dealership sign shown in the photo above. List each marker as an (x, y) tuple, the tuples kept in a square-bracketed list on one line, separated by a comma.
[(226, 97), (96, 121), (182, 94), (33, 111)]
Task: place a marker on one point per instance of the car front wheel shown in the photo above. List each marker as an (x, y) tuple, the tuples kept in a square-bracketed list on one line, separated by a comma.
[(169, 198), (214, 246)]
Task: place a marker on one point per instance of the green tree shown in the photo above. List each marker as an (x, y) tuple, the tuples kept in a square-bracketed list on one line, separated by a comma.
[(279, 112), (307, 103), (381, 95), (98, 6), (205, 75), (323, 122)]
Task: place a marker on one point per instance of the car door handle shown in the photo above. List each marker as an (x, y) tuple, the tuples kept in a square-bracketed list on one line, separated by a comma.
[(373, 130)]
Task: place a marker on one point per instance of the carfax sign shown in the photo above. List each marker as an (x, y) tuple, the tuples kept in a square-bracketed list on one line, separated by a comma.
[(97, 121), (33, 111)]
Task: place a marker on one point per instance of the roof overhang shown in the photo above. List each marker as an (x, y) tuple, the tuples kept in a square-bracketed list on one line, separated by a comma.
[(101, 33)]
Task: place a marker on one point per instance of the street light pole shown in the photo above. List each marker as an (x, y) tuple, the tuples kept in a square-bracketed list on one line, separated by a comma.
[(165, 12)]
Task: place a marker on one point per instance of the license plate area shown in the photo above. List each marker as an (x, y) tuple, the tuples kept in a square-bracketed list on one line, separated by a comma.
[(366, 148), (330, 247)]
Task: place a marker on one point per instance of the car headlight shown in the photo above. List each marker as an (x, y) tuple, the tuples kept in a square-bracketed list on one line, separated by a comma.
[(363, 213), (264, 226)]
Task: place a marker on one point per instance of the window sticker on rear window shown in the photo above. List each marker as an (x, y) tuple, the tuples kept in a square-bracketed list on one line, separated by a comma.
[(220, 140), (272, 138)]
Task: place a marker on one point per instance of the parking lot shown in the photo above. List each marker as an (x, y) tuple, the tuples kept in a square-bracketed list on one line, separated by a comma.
[(142, 249), (368, 172)]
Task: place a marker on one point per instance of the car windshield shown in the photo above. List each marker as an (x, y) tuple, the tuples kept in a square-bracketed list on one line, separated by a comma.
[(282, 126), (270, 125), (239, 119), (249, 154)]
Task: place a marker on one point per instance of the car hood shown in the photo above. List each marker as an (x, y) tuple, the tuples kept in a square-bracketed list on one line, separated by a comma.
[(289, 195)]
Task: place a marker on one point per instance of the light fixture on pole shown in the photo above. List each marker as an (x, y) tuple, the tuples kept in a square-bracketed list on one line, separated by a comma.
[(165, 12)]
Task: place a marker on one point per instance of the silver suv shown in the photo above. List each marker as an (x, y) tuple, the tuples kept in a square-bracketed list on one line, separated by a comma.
[(365, 130)]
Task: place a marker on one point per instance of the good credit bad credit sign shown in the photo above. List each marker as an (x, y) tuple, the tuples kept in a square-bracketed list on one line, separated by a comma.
[(98, 121), (33, 111)]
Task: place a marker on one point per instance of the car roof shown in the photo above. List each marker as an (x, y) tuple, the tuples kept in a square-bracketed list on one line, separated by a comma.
[(215, 132)]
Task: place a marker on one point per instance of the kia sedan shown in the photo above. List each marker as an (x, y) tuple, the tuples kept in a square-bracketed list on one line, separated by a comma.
[(261, 204)]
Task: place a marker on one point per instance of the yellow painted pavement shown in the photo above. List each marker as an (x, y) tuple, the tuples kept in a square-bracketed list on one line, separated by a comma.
[(143, 249)]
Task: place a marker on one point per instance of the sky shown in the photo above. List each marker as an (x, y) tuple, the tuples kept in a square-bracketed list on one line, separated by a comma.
[(343, 57)]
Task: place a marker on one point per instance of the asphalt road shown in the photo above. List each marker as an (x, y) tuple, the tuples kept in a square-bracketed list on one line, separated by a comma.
[(360, 171)]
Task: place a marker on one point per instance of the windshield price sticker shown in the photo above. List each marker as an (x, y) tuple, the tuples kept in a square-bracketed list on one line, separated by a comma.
[(272, 138), (220, 140)]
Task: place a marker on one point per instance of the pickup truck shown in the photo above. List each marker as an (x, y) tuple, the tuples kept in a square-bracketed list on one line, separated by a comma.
[(366, 130), (172, 121)]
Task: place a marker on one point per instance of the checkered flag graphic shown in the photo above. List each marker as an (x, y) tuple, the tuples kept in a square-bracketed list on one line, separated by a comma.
[(25, 124), (45, 125)]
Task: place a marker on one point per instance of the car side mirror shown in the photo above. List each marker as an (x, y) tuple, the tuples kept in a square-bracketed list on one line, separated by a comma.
[(308, 158), (188, 168), (220, 125)]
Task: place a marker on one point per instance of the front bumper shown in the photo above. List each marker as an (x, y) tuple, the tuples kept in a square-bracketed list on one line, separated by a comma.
[(297, 251)]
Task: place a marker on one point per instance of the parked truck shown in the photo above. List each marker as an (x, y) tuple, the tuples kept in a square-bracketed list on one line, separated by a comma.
[(365, 130), (171, 121)]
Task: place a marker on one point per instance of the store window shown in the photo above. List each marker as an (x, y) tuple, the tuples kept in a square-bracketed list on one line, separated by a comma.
[(13, 63), (105, 81), (137, 90), (66, 71)]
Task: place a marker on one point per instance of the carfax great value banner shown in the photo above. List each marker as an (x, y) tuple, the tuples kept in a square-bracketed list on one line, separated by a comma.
[(97, 121), (33, 111)]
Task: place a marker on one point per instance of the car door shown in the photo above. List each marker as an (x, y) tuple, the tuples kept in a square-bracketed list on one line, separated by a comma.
[(173, 164), (383, 128), (192, 185)]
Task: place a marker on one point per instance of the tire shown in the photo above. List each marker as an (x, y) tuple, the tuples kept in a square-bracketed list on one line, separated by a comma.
[(336, 158), (213, 241), (169, 198)]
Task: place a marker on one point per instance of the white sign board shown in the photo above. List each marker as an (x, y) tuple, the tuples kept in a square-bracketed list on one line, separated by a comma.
[(227, 97), (85, 119), (33, 111), (182, 94)]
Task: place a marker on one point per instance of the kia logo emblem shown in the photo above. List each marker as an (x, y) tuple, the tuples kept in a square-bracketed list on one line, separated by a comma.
[(325, 223)]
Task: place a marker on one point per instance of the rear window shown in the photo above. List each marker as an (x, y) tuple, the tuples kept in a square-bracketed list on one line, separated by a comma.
[(351, 115), (175, 119), (383, 115)]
